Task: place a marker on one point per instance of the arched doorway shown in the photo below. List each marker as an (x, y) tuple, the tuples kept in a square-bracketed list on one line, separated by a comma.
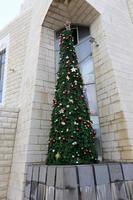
[(84, 52)]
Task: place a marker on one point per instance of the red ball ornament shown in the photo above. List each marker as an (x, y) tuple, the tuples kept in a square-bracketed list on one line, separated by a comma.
[(51, 141), (54, 102), (64, 140), (88, 125), (94, 133)]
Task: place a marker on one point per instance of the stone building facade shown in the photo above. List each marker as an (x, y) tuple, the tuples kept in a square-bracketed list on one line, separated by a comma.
[(28, 76)]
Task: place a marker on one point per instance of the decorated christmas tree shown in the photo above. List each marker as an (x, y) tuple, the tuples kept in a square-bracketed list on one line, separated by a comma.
[(72, 138)]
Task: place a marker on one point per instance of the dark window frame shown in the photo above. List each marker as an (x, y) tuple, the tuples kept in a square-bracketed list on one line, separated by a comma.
[(2, 71)]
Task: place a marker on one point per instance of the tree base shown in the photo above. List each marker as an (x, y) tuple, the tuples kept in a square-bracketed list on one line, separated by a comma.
[(98, 181)]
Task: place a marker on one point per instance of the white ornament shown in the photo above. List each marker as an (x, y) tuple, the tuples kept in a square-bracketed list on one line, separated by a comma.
[(73, 156), (67, 57), (73, 69), (67, 106), (67, 130), (63, 123), (74, 143), (68, 78), (70, 100), (53, 150), (61, 111), (75, 82)]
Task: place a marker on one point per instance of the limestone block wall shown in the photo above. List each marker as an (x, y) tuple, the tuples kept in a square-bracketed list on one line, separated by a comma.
[(17, 31), (43, 98), (110, 110), (8, 124), (26, 5), (112, 119), (110, 59), (23, 136), (120, 47), (113, 68), (32, 148)]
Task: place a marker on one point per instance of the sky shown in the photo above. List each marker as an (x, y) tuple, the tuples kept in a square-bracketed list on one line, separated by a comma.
[(9, 9)]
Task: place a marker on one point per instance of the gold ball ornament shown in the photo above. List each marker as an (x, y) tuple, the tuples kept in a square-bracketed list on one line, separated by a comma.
[(57, 156)]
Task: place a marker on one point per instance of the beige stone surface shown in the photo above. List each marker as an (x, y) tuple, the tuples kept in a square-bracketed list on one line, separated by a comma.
[(30, 86), (8, 124), (17, 31)]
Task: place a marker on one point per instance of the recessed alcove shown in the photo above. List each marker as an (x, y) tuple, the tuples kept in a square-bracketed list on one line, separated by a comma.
[(81, 13)]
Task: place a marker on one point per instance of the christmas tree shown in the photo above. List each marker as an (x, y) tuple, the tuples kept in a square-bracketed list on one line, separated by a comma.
[(72, 138)]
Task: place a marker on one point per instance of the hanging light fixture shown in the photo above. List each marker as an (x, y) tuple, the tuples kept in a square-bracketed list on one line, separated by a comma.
[(93, 40)]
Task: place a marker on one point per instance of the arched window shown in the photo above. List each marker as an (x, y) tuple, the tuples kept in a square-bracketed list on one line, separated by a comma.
[(84, 53)]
